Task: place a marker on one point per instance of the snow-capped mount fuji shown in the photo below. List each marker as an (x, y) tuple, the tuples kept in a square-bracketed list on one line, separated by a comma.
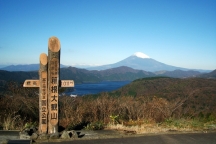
[(140, 55), (140, 61)]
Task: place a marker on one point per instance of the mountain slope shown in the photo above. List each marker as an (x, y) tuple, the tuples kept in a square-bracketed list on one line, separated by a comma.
[(17, 76), (115, 74), (122, 73), (168, 87), (78, 75), (195, 95), (209, 75), (180, 73)]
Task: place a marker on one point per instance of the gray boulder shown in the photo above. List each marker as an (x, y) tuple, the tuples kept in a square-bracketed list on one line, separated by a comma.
[(34, 136), (65, 135), (24, 136), (73, 134)]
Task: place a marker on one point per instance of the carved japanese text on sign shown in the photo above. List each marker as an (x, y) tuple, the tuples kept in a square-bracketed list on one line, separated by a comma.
[(31, 83), (54, 79), (43, 101)]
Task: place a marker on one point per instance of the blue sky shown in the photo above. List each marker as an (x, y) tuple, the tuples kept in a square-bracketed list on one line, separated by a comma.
[(95, 32)]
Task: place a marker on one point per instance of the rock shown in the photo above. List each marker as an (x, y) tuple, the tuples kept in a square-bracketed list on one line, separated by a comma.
[(34, 136), (54, 136), (24, 135), (33, 128), (43, 136), (26, 129), (30, 131), (73, 134), (65, 135)]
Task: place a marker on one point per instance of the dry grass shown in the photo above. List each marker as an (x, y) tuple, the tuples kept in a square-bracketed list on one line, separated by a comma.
[(12, 122), (185, 125), (138, 129), (140, 114)]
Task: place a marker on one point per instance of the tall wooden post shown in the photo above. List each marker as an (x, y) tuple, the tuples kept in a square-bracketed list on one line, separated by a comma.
[(43, 111), (53, 83)]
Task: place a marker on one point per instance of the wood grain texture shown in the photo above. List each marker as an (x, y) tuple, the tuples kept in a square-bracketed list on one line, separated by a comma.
[(54, 44), (43, 59)]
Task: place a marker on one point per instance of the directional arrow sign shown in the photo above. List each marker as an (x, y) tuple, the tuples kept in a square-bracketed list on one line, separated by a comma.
[(66, 83), (31, 83)]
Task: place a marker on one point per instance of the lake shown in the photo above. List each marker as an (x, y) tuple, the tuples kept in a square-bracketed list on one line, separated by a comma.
[(94, 88)]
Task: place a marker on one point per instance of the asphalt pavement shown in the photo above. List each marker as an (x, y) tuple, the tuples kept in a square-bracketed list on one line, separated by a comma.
[(114, 137), (181, 138)]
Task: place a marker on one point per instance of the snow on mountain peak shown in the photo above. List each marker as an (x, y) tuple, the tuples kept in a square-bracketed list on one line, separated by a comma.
[(141, 55)]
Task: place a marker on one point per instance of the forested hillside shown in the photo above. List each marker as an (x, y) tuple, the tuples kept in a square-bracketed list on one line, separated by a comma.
[(192, 94)]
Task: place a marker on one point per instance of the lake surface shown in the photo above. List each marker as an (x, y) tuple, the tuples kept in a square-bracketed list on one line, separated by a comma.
[(94, 88)]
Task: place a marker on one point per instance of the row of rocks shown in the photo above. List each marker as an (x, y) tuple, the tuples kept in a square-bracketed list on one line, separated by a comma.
[(33, 134)]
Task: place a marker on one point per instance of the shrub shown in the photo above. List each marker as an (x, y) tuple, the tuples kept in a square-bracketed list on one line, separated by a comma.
[(95, 126), (12, 122)]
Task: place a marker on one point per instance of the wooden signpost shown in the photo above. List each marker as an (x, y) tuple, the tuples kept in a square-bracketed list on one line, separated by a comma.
[(48, 84), (43, 94), (53, 83)]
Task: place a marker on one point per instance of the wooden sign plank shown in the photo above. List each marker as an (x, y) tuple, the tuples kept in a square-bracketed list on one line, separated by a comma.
[(31, 83), (66, 83), (43, 111)]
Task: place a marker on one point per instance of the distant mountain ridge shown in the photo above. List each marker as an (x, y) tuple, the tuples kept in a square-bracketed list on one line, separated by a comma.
[(27, 67), (138, 61), (81, 75), (141, 61), (122, 73)]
